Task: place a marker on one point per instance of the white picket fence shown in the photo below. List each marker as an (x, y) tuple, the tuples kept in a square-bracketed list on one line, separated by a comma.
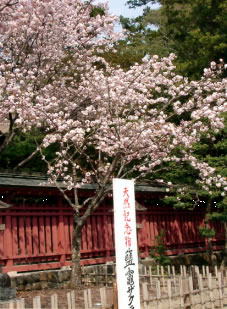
[(71, 301), (184, 291), (161, 288)]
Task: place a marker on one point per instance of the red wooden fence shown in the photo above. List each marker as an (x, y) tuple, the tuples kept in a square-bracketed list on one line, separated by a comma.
[(36, 233)]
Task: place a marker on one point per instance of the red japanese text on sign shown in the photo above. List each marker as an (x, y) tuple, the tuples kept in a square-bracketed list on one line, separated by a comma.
[(126, 203)]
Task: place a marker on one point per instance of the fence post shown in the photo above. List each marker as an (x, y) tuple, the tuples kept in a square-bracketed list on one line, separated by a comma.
[(181, 292), (158, 290), (71, 300), (54, 301), (191, 290), (203, 270), (211, 290), (37, 302), (201, 291), (194, 275), (145, 295), (216, 270), (220, 290), (87, 299), (103, 297), (174, 278), (20, 304), (169, 293), (163, 277), (150, 274), (185, 287), (72, 295)]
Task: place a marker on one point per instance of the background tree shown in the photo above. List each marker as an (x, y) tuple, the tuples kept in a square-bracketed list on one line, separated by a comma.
[(140, 41), (22, 155), (193, 30), (212, 150)]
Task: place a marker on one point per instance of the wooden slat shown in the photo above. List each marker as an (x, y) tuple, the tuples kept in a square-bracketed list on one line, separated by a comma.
[(190, 232), (61, 239), (54, 231), (156, 231), (178, 231), (147, 227), (110, 231), (15, 239), (151, 230), (167, 229), (100, 234), (67, 236), (42, 242), (8, 240), (172, 232), (183, 226), (28, 235), (89, 236), (139, 232), (94, 232), (84, 238), (48, 234), (1, 239), (144, 234), (35, 235), (71, 230), (106, 236), (21, 236), (61, 235)]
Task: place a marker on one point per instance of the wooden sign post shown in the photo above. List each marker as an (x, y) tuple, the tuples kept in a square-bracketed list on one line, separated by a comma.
[(126, 244)]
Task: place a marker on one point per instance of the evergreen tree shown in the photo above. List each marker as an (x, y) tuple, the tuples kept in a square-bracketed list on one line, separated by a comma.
[(194, 30)]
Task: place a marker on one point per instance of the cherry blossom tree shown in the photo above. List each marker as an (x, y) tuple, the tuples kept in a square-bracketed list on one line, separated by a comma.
[(38, 39), (107, 122), (117, 123), (44, 44)]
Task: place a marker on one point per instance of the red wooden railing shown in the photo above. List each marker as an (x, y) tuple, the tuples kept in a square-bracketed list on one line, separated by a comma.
[(36, 235)]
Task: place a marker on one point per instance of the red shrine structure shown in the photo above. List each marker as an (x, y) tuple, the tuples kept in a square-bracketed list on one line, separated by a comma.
[(36, 226)]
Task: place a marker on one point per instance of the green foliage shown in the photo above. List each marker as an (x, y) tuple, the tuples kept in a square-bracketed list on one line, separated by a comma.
[(181, 201), (214, 152), (194, 30), (97, 11), (135, 3), (141, 40), (219, 216), (20, 148), (157, 252), (206, 232)]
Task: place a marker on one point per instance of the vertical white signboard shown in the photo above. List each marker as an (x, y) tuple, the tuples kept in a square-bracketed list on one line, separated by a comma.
[(126, 244)]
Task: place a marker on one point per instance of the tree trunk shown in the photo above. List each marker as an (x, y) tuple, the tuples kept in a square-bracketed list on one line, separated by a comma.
[(76, 276), (210, 251), (208, 239)]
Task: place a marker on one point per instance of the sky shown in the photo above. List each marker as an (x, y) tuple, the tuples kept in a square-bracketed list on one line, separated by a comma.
[(118, 7)]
